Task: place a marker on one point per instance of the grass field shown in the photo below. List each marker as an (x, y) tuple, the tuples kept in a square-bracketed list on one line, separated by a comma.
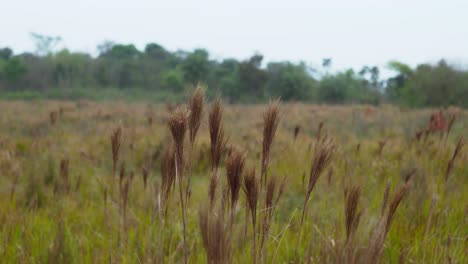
[(379, 184)]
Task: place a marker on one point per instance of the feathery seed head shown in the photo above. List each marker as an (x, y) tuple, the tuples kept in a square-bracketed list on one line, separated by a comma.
[(178, 126), (195, 106), (251, 185), (216, 133), (235, 166), (322, 158), (167, 171), (270, 124), (352, 215)]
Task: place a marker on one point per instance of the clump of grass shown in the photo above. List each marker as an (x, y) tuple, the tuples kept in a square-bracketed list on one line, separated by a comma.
[(270, 124), (322, 158), (121, 178), (178, 126), (125, 188), (163, 194), (168, 175), (216, 237), (374, 250), (215, 119), (234, 171), (272, 197), (59, 252), (212, 188), (152, 220), (195, 107), (252, 190), (352, 217), (217, 147), (429, 218)]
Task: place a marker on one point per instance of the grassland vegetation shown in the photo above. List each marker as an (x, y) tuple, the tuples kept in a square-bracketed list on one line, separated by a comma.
[(210, 182)]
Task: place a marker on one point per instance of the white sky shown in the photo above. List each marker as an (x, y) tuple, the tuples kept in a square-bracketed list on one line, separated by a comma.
[(351, 32)]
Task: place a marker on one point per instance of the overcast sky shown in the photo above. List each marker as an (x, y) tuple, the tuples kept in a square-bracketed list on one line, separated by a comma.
[(352, 32)]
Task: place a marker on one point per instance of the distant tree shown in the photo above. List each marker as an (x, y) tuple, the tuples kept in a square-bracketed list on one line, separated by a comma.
[(173, 80), (395, 85), (375, 74), (13, 69), (347, 87), (121, 51), (45, 45), (290, 81), (433, 85), (224, 80), (6, 53), (252, 78), (126, 74), (371, 77), (71, 69), (326, 64), (105, 47), (196, 66), (120, 66), (157, 52), (38, 73), (159, 70)]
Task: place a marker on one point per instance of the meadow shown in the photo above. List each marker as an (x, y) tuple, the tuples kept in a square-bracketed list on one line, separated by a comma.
[(208, 182)]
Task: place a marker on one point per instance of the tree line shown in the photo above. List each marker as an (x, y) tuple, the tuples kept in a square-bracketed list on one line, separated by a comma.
[(155, 70)]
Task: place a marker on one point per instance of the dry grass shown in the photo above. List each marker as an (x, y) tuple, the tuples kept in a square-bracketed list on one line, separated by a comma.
[(178, 127), (403, 198)]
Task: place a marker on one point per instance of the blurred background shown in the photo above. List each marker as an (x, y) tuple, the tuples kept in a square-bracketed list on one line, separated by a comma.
[(408, 53)]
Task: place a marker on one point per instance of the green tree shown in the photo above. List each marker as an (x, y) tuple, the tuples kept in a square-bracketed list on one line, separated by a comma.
[(290, 82), (13, 69), (252, 79), (173, 80), (71, 69), (224, 80), (430, 85), (347, 87), (45, 45), (196, 66), (121, 51), (5, 53)]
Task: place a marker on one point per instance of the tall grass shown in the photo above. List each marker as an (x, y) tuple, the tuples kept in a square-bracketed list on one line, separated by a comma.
[(245, 188)]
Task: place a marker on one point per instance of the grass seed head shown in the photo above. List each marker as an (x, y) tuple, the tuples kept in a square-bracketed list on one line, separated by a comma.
[(195, 107), (352, 215), (252, 188), (270, 125), (178, 126), (323, 155), (235, 167), (218, 143), (212, 188), (116, 140)]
